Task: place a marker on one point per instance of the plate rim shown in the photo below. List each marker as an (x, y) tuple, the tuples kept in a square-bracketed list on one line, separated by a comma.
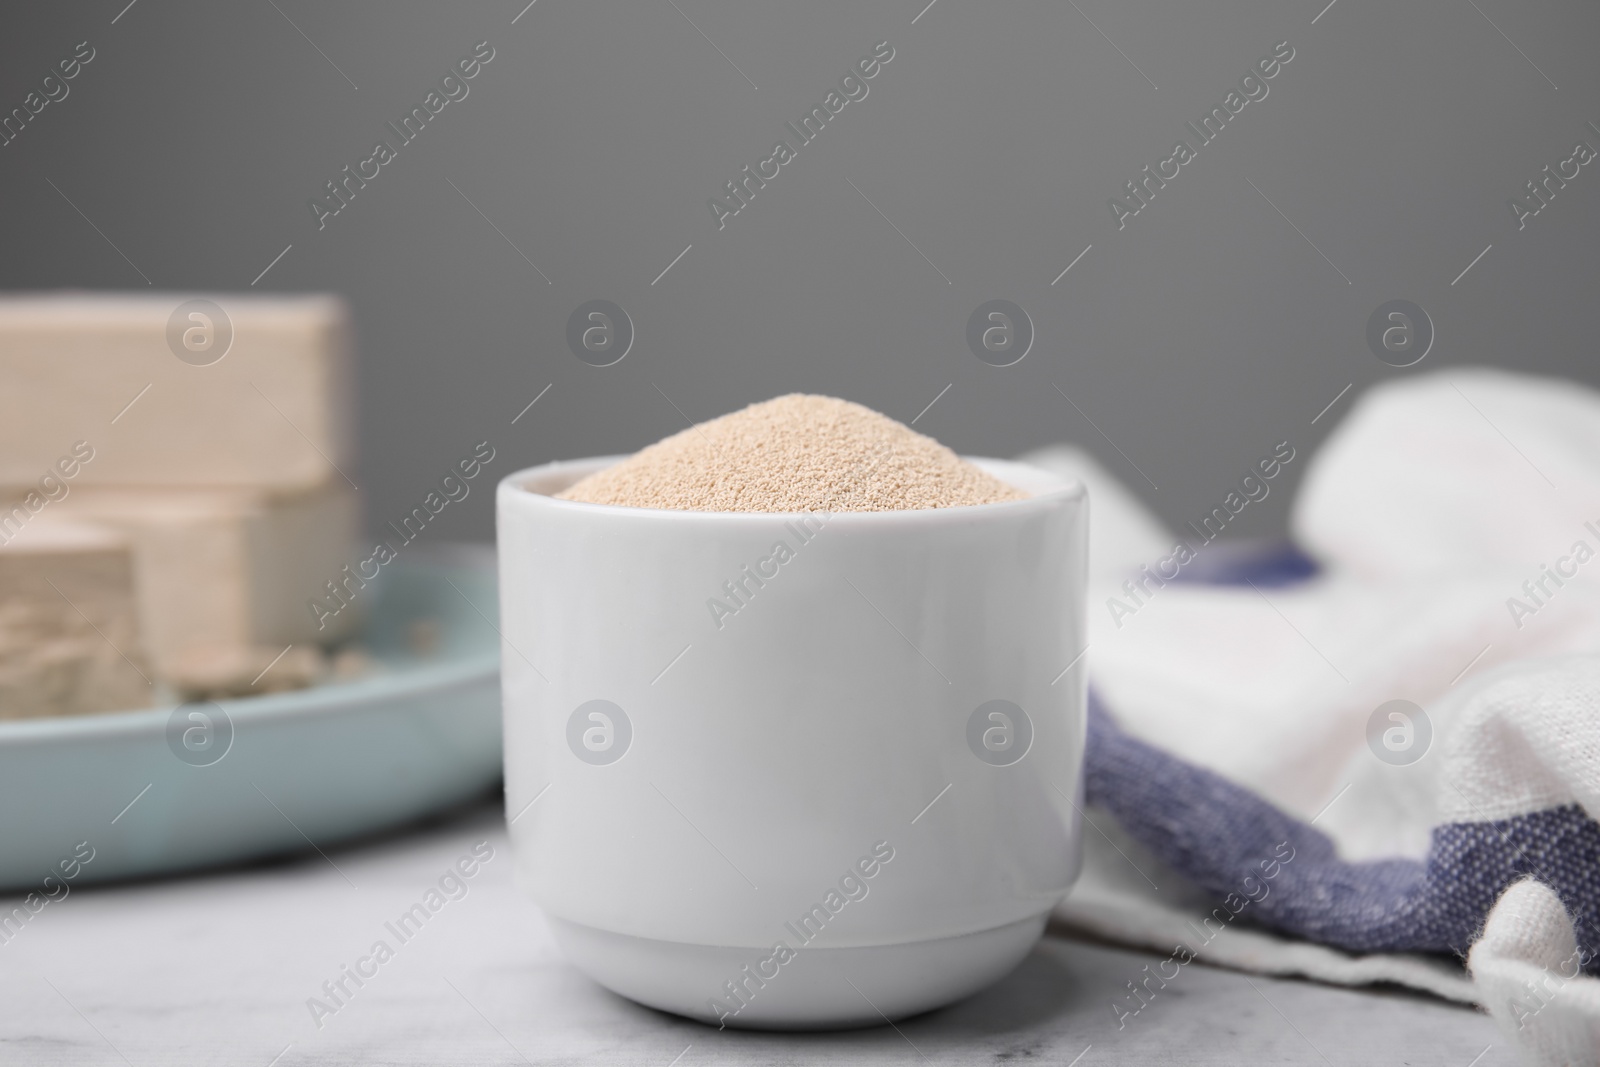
[(318, 700)]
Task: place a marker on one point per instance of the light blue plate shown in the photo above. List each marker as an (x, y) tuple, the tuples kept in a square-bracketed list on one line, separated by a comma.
[(301, 769)]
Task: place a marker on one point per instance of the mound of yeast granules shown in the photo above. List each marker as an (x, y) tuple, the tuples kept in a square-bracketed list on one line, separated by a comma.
[(794, 453)]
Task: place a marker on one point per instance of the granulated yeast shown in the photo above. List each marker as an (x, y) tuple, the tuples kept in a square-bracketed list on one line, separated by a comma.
[(795, 453)]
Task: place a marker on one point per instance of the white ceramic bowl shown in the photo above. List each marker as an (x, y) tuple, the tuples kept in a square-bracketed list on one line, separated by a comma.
[(821, 785)]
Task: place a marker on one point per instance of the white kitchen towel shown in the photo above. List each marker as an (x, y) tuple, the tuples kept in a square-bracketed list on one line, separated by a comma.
[(1425, 586), (1527, 967)]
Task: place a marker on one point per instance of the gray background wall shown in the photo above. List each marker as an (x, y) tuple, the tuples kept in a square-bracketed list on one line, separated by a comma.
[(1194, 338)]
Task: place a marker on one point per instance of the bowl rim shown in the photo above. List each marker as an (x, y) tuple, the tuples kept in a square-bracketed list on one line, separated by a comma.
[(1055, 490)]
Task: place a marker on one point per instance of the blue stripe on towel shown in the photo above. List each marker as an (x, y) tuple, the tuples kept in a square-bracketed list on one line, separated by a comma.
[(1263, 563), (1216, 834)]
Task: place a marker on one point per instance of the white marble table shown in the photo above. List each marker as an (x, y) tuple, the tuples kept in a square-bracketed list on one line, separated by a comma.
[(218, 969)]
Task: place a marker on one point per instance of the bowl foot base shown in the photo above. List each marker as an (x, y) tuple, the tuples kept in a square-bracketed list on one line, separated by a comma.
[(819, 988)]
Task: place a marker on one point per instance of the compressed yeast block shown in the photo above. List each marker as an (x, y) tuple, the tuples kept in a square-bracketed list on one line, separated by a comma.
[(69, 627), (246, 391), (225, 577)]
